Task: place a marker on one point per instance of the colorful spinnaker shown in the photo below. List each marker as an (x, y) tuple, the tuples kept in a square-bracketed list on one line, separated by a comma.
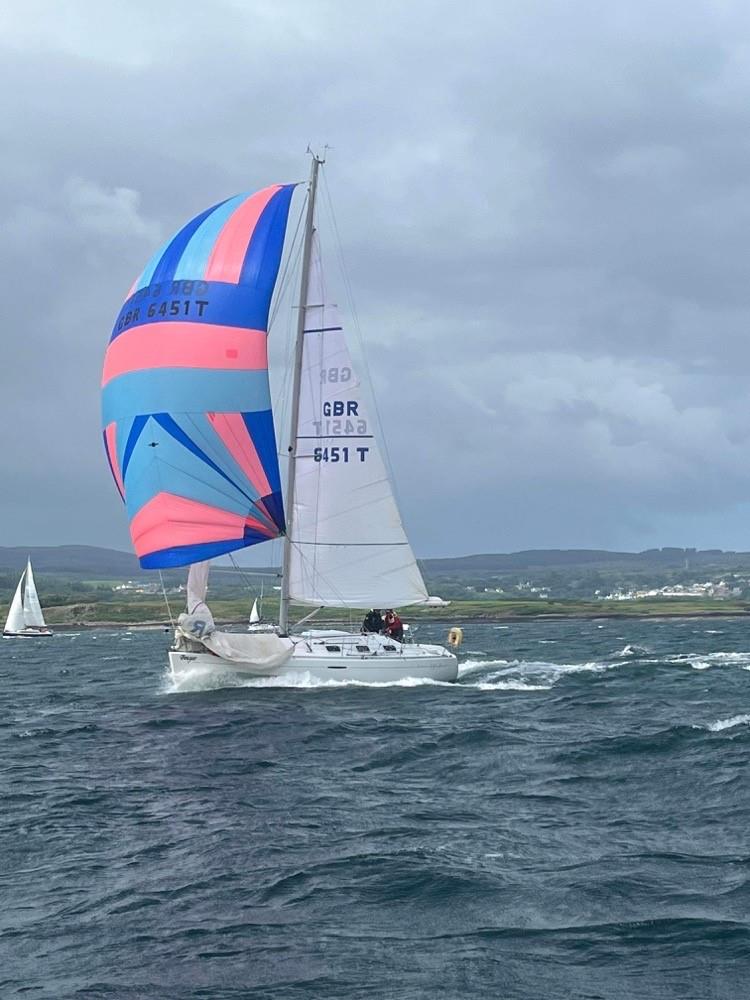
[(186, 406)]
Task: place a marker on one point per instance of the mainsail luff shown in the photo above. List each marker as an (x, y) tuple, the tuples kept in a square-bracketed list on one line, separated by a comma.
[(294, 415)]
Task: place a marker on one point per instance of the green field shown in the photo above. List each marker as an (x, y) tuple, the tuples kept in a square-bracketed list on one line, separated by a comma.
[(151, 609)]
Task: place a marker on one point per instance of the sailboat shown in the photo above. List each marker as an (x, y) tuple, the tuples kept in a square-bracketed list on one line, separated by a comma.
[(25, 617), (189, 434)]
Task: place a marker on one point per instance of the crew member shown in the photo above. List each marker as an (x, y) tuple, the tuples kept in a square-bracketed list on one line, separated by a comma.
[(394, 627), (373, 621)]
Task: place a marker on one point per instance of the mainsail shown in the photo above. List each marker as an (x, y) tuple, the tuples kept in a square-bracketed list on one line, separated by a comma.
[(348, 545), (32, 609), (187, 422)]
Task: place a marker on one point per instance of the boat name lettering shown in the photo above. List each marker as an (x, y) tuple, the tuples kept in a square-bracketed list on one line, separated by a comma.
[(336, 454), (336, 374), (338, 408)]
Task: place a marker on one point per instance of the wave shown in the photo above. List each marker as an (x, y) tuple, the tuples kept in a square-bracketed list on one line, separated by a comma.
[(211, 679), (475, 672), (632, 652), (721, 724), (480, 675), (704, 661)]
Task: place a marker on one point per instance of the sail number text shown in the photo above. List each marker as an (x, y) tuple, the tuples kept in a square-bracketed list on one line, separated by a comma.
[(333, 375), (340, 418), (336, 454)]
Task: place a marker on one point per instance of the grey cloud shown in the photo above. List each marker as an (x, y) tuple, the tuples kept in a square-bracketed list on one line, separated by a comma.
[(544, 213)]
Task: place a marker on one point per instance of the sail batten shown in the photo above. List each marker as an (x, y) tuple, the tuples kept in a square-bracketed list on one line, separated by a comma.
[(186, 405)]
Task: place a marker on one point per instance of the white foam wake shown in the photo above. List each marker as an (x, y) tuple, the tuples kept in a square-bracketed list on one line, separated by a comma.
[(211, 679), (703, 661), (735, 720)]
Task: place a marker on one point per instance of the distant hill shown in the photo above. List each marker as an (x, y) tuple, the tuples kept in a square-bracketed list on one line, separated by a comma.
[(111, 563), (71, 559), (531, 559), (569, 559)]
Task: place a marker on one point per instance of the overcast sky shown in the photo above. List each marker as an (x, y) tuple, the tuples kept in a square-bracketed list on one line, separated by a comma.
[(544, 211)]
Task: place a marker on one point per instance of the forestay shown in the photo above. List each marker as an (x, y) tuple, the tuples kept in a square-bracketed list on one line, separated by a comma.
[(348, 545)]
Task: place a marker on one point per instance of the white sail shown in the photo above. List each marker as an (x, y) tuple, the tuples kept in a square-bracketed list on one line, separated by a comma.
[(32, 609), (15, 621), (348, 545), (254, 616), (197, 584)]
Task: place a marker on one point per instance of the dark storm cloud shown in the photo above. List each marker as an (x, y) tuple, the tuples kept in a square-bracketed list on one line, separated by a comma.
[(544, 209)]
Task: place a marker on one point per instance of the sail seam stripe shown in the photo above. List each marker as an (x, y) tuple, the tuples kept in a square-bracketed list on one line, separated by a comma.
[(355, 545), (322, 329)]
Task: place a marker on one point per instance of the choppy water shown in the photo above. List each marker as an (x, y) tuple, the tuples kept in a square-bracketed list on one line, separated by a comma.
[(571, 820)]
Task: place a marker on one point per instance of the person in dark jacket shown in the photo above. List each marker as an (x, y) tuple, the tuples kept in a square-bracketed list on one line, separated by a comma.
[(373, 622), (394, 627)]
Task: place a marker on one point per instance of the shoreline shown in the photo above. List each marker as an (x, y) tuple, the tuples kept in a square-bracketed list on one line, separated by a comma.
[(469, 619)]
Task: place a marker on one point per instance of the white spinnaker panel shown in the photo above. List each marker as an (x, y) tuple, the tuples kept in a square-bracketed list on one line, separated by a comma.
[(32, 609), (349, 548), (15, 621)]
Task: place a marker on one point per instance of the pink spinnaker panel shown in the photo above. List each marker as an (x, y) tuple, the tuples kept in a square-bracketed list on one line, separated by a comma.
[(231, 428), (185, 345), (168, 520), (228, 254)]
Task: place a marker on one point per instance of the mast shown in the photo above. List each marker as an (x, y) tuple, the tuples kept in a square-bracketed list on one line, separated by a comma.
[(304, 282)]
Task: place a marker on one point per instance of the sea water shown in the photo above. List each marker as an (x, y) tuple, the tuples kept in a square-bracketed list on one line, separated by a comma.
[(570, 820)]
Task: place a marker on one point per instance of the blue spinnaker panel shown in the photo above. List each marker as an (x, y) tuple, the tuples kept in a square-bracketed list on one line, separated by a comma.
[(186, 409)]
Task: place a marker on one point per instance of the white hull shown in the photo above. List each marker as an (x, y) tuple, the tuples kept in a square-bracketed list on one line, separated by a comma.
[(31, 633), (334, 656)]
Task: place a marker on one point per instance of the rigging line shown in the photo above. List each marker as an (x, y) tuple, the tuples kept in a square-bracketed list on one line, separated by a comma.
[(282, 393), (281, 285), (271, 574), (166, 599), (239, 569), (334, 590)]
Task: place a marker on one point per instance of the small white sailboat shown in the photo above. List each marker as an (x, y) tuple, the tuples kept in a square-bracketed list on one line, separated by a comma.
[(344, 542), (25, 618)]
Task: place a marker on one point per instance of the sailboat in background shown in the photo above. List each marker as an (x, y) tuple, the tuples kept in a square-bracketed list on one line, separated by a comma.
[(189, 435), (25, 617)]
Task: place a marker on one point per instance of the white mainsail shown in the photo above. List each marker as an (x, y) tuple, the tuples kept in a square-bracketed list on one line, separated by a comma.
[(347, 541), (32, 609), (15, 621), (254, 615)]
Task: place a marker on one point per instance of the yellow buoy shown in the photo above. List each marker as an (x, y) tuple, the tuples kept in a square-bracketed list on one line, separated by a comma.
[(455, 637)]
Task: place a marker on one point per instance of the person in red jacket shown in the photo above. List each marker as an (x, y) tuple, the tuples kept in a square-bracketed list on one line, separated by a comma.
[(394, 627)]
